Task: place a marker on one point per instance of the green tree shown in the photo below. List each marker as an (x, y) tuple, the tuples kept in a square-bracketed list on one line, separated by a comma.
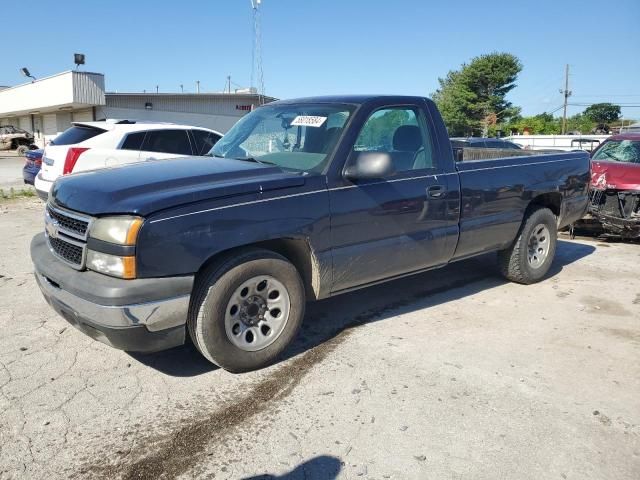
[(473, 97), (547, 124), (581, 123), (603, 113), (543, 123)]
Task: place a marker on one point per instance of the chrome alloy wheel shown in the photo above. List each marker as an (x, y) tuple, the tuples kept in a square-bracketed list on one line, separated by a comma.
[(257, 313), (538, 247)]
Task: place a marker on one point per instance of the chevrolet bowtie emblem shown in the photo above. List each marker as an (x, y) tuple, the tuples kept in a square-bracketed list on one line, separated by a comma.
[(52, 228)]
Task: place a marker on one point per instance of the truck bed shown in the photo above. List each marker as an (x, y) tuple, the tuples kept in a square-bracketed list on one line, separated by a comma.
[(496, 192)]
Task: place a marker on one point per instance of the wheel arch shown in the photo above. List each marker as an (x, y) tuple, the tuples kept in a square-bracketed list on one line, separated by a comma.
[(550, 200), (298, 251)]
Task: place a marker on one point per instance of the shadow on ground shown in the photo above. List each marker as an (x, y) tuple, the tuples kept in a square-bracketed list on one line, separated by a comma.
[(327, 318), (323, 467)]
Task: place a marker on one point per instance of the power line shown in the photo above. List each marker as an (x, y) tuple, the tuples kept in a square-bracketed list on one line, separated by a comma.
[(556, 109), (586, 104), (605, 95)]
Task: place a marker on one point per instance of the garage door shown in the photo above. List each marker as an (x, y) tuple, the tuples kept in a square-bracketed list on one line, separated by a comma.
[(25, 123), (49, 126), (63, 120), (83, 116)]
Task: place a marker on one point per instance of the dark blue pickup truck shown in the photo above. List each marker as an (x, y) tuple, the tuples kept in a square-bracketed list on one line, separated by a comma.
[(301, 200)]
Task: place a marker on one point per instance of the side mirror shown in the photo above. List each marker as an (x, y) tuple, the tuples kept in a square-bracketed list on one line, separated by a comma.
[(370, 165)]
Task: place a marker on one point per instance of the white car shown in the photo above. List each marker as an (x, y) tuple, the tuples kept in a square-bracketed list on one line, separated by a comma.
[(93, 145)]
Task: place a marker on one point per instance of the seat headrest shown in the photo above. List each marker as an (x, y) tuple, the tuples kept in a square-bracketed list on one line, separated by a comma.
[(407, 138)]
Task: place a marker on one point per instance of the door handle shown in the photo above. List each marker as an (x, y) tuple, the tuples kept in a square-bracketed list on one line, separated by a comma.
[(436, 191)]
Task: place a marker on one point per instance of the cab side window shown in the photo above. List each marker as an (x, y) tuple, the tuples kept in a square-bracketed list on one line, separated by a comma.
[(400, 132)]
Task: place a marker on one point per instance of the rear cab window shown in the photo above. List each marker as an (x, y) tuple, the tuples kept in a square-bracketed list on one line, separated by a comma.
[(76, 134), (512, 146)]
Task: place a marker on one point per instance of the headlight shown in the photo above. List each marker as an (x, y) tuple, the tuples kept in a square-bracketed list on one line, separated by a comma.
[(122, 230), (122, 267)]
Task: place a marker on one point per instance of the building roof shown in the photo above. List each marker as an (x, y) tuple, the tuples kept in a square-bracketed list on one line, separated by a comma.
[(202, 95), (352, 99)]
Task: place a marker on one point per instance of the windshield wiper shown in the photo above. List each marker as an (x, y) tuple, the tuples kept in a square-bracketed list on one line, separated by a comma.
[(255, 160)]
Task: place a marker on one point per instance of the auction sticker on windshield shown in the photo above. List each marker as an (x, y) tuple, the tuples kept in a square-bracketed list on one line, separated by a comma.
[(308, 121)]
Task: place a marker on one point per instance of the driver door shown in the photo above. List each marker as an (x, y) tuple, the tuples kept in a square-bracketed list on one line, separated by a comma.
[(397, 225)]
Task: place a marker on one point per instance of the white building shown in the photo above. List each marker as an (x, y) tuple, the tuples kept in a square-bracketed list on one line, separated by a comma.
[(633, 128), (558, 142), (47, 106)]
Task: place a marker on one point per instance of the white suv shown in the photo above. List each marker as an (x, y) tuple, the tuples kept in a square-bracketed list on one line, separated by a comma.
[(92, 145)]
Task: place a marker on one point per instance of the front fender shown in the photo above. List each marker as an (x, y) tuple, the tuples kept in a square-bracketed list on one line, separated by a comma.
[(181, 244)]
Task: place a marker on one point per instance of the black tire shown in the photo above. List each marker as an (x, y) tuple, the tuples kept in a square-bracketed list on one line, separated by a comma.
[(22, 149), (212, 292), (514, 261)]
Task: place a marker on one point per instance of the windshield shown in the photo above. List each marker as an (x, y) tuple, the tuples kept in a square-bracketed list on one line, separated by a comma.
[(620, 151), (298, 137)]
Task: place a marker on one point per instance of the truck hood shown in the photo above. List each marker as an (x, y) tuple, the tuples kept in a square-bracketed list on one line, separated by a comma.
[(615, 175), (148, 187)]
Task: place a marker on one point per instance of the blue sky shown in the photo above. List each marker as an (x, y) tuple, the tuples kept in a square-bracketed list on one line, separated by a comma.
[(315, 47)]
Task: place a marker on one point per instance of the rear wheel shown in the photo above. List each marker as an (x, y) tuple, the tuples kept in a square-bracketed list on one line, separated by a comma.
[(529, 258), (246, 310)]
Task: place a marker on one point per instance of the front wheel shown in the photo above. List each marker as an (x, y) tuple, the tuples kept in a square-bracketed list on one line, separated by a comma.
[(530, 256), (246, 310)]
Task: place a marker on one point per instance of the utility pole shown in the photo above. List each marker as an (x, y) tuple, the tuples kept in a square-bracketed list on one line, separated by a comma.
[(567, 93), (197, 86), (181, 88)]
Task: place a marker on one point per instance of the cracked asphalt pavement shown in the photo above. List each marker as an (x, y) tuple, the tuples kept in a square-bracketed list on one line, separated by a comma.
[(450, 374)]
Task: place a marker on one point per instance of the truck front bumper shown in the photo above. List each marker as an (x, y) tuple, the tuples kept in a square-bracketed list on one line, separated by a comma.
[(142, 315)]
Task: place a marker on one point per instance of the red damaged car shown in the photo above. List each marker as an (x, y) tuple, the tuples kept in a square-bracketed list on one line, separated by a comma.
[(615, 185)]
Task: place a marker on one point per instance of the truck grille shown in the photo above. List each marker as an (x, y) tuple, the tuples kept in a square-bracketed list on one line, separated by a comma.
[(66, 234), (69, 252), (71, 223)]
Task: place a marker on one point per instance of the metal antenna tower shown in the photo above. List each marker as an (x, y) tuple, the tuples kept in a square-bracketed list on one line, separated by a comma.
[(256, 55)]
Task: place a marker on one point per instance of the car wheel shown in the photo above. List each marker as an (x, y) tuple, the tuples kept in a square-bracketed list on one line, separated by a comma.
[(530, 256), (22, 149), (246, 310)]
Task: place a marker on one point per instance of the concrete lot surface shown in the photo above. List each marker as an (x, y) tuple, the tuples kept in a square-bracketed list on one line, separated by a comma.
[(454, 374), (11, 171)]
